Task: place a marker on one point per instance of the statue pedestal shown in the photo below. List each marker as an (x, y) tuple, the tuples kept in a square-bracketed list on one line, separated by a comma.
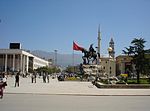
[(92, 69)]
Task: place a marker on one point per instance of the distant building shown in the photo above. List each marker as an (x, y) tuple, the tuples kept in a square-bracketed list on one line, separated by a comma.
[(109, 62), (109, 65), (123, 64), (16, 59)]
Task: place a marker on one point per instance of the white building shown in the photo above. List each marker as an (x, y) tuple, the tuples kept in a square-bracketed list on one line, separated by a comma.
[(20, 60), (109, 62), (109, 65)]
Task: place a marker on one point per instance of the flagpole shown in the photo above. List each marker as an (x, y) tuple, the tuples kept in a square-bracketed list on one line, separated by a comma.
[(73, 62), (77, 48)]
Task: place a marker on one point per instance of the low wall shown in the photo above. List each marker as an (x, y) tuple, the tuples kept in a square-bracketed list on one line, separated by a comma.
[(124, 86)]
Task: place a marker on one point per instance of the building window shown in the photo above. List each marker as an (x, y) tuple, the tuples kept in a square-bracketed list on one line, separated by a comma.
[(110, 67), (104, 68), (106, 62)]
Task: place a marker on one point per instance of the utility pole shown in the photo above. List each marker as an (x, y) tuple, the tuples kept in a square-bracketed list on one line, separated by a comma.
[(55, 57), (99, 40)]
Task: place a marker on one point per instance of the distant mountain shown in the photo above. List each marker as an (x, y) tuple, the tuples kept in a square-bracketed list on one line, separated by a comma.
[(62, 59)]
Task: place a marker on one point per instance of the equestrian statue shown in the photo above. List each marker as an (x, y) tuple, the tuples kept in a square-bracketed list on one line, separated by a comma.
[(89, 55)]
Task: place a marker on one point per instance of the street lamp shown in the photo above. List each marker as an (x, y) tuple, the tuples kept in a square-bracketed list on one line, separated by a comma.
[(98, 56), (55, 57)]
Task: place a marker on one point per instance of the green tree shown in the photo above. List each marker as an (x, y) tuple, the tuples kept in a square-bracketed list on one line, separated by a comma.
[(147, 64), (72, 69), (69, 69), (49, 70), (137, 52)]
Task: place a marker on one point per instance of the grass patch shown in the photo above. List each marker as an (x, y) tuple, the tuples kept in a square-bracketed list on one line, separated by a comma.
[(72, 79), (142, 81)]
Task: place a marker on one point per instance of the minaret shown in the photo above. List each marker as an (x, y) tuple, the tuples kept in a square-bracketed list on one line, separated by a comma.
[(99, 40), (111, 44)]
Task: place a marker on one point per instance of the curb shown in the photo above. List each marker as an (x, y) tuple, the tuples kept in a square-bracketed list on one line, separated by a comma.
[(77, 94)]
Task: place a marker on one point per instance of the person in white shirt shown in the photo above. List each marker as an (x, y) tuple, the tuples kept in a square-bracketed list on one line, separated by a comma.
[(5, 81)]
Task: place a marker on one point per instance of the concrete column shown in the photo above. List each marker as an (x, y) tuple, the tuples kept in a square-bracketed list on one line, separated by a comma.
[(17, 62), (5, 62), (21, 63), (27, 63), (13, 62)]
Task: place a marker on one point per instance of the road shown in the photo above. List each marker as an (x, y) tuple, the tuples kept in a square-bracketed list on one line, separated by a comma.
[(36, 102)]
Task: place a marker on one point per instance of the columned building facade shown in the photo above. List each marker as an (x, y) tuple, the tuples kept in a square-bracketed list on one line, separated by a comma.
[(20, 60)]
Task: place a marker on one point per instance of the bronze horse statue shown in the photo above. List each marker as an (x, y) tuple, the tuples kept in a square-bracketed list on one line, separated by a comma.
[(90, 55)]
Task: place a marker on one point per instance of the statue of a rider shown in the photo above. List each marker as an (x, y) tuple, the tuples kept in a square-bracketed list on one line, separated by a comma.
[(91, 53), (91, 49)]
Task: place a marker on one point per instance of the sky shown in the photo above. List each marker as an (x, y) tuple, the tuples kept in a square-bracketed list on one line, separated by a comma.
[(50, 25)]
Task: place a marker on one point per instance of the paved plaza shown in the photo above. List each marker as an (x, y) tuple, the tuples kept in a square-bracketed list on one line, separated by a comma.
[(55, 87), (32, 102)]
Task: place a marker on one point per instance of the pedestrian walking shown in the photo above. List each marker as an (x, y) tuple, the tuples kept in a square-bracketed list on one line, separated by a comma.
[(1, 90), (44, 78), (4, 81), (17, 80), (33, 77), (47, 77)]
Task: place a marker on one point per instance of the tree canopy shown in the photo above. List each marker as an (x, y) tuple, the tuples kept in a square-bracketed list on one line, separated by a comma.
[(49, 70), (139, 55)]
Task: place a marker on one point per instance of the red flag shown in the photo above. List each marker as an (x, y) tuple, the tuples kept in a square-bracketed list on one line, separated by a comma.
[(77, 47)]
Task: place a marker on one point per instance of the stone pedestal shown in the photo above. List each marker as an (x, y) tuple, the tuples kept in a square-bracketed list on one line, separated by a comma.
[(93, 69)]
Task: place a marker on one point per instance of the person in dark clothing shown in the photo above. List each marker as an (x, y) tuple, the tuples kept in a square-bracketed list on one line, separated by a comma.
[(17, 80), (47, 76), (91, 49), (33, 77), (44, 77)]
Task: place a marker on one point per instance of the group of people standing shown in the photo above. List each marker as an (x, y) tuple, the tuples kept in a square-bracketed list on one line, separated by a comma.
[(44, 75), (33, 78), (3, 79)]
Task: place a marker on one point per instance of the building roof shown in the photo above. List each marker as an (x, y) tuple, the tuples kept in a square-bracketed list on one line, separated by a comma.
[(19, 51)]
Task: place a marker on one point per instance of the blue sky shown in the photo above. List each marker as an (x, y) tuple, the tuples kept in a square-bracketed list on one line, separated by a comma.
[(54, 24)]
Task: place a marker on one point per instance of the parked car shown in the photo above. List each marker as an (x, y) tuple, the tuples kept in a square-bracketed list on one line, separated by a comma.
[(61, 77)]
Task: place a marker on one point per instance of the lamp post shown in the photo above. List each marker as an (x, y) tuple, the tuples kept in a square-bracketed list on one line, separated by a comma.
[(98, 56), (55, 57)]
